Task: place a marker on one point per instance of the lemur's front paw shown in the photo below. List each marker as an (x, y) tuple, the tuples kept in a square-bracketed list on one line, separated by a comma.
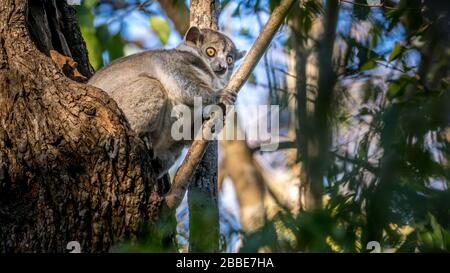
[(227, 97)]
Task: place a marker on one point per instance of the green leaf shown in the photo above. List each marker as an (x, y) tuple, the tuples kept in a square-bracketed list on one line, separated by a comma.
[(396, 51), (161, 27), (446, 236), (438, 239), (374, 33), (370, 64), (115, 47), (89, 3), (86, 20), (252, 79), (102, 33), (244, 32), (237, 11), (93, 45), (396, 88), (225, 3)]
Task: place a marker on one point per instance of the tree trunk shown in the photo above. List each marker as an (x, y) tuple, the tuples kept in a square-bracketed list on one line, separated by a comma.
[(71, 169), (305, 72), (314, 68), (204, 230), (249, 183), (318, 146)]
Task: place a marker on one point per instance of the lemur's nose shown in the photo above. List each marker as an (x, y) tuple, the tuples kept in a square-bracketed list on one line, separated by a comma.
[(221, 68)]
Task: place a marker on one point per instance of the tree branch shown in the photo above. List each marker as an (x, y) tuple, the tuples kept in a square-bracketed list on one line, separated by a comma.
[(197, 149), (352, 160), (382, 5)]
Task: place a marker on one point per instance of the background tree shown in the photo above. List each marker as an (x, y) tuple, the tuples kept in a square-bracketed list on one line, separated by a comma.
[(202, 194)]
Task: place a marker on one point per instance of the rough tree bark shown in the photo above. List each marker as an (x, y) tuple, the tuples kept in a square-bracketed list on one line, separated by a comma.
[(204, 230), (70, 166)]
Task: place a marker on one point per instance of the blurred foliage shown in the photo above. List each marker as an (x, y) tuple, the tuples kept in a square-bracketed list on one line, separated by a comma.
[(161, 27), (393, 184), (105, 44), (154, 236), (391, 179), (98, 38), (85, 18)]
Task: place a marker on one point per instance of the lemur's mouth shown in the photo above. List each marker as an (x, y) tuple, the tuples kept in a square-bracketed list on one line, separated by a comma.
[(220, 71)]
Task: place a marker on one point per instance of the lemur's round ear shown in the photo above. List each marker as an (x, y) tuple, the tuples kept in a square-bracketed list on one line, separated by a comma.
[(193, 35), (240, 54)]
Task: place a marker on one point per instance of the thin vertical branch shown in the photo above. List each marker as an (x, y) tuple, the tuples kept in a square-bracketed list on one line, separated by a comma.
[(204, 230)]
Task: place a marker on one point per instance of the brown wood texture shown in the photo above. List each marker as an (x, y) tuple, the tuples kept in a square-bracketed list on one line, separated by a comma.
[(70, 166)]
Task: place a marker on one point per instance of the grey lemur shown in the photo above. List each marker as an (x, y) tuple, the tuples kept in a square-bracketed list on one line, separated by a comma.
[(147, 86)]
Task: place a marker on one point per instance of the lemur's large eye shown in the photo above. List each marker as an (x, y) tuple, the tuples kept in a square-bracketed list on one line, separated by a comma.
[(210, 52), (229, 60)]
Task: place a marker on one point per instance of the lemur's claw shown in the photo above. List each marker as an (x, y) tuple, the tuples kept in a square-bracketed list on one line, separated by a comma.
[(228, 97)]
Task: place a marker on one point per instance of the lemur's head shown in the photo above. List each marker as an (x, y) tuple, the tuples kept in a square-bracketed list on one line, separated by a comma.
[(216, 48)]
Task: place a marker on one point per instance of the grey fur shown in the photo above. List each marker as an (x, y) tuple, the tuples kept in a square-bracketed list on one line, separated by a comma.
[(147, 85)]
